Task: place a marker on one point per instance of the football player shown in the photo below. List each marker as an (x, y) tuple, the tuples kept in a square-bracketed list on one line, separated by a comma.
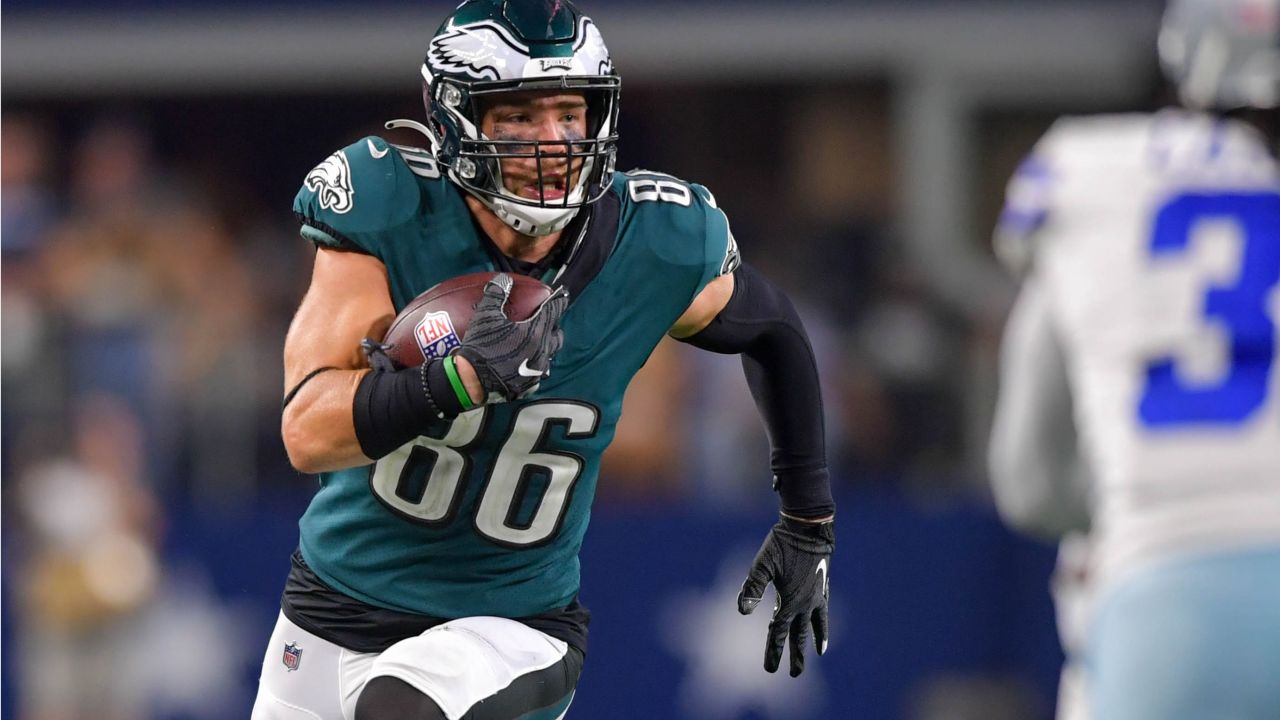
[(1147, 322), (437, 573)]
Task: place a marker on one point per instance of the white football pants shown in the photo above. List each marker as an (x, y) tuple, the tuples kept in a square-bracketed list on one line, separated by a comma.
[(456, 664)]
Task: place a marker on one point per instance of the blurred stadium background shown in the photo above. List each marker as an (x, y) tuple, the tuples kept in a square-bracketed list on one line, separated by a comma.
[(151, 149)]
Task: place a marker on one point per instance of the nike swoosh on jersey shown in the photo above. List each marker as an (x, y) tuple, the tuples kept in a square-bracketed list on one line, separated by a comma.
[(373, 150)]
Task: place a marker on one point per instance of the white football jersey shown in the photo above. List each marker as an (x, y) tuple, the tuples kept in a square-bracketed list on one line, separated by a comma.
[(1156, 241)]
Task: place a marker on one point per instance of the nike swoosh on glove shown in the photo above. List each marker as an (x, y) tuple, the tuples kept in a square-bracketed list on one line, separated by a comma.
[(796, 558), (503, 351)]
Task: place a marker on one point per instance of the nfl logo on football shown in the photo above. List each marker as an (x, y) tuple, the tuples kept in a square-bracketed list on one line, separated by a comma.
[(292, 656), (436, 336)]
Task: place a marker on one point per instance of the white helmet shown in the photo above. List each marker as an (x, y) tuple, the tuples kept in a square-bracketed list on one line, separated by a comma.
[(1223, 54)]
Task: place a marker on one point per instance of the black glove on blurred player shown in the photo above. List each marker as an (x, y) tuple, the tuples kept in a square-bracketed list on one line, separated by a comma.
[(511, 358), (796, 558)]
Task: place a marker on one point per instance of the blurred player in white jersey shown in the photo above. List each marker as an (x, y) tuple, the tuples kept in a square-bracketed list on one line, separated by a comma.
[(1147, 328)]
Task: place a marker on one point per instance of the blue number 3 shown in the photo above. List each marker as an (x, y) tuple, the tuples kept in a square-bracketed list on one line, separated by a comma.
[(1168, 401)]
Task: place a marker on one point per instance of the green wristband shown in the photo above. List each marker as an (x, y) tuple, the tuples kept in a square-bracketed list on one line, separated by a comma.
[(451, 371)]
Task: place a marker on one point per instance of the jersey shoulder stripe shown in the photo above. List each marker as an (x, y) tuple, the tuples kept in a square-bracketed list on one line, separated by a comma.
[(1084, 164)]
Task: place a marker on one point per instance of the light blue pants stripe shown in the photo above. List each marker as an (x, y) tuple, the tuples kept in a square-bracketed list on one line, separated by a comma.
[(1195, 639)]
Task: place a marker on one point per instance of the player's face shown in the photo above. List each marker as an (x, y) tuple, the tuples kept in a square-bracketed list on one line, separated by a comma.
[(555, 119)]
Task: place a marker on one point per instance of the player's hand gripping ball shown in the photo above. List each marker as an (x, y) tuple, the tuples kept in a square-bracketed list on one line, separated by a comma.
[(506, 326)]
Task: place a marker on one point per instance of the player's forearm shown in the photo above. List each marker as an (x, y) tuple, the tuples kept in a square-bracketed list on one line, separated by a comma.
[(317, 427), (761, 323), (783, 377), (1042, 494), (330, 424), (1038, 479)]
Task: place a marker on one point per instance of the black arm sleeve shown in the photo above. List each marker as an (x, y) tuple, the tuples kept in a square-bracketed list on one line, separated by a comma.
[(393, 407), (761, 323)]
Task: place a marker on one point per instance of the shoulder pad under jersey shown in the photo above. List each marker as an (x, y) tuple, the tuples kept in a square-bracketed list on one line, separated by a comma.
[(362, 189), (680, 220), (1074, 149)]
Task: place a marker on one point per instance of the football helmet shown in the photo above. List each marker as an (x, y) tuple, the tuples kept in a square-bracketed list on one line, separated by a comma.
[(490, 47), (1223, 54)]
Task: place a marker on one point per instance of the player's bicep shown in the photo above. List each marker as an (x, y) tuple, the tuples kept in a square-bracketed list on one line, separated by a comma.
[(704, 308), (349, 299)]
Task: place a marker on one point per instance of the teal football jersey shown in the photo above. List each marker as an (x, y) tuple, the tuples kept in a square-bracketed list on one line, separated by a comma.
[(485, 515)]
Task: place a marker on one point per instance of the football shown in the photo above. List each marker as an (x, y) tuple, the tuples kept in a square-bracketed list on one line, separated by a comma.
[(435, 322)]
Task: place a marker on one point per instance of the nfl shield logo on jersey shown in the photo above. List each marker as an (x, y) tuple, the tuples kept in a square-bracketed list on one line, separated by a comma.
[(436, 336), (292, 656)]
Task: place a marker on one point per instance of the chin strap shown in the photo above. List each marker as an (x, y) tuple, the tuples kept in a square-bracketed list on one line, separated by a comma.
[(524, 219)]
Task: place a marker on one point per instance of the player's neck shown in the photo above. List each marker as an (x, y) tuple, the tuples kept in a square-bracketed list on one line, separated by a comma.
[(530, 248)]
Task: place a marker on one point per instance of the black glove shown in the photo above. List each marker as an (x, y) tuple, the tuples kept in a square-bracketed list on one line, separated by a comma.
[(511, 358), (796, 558)]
